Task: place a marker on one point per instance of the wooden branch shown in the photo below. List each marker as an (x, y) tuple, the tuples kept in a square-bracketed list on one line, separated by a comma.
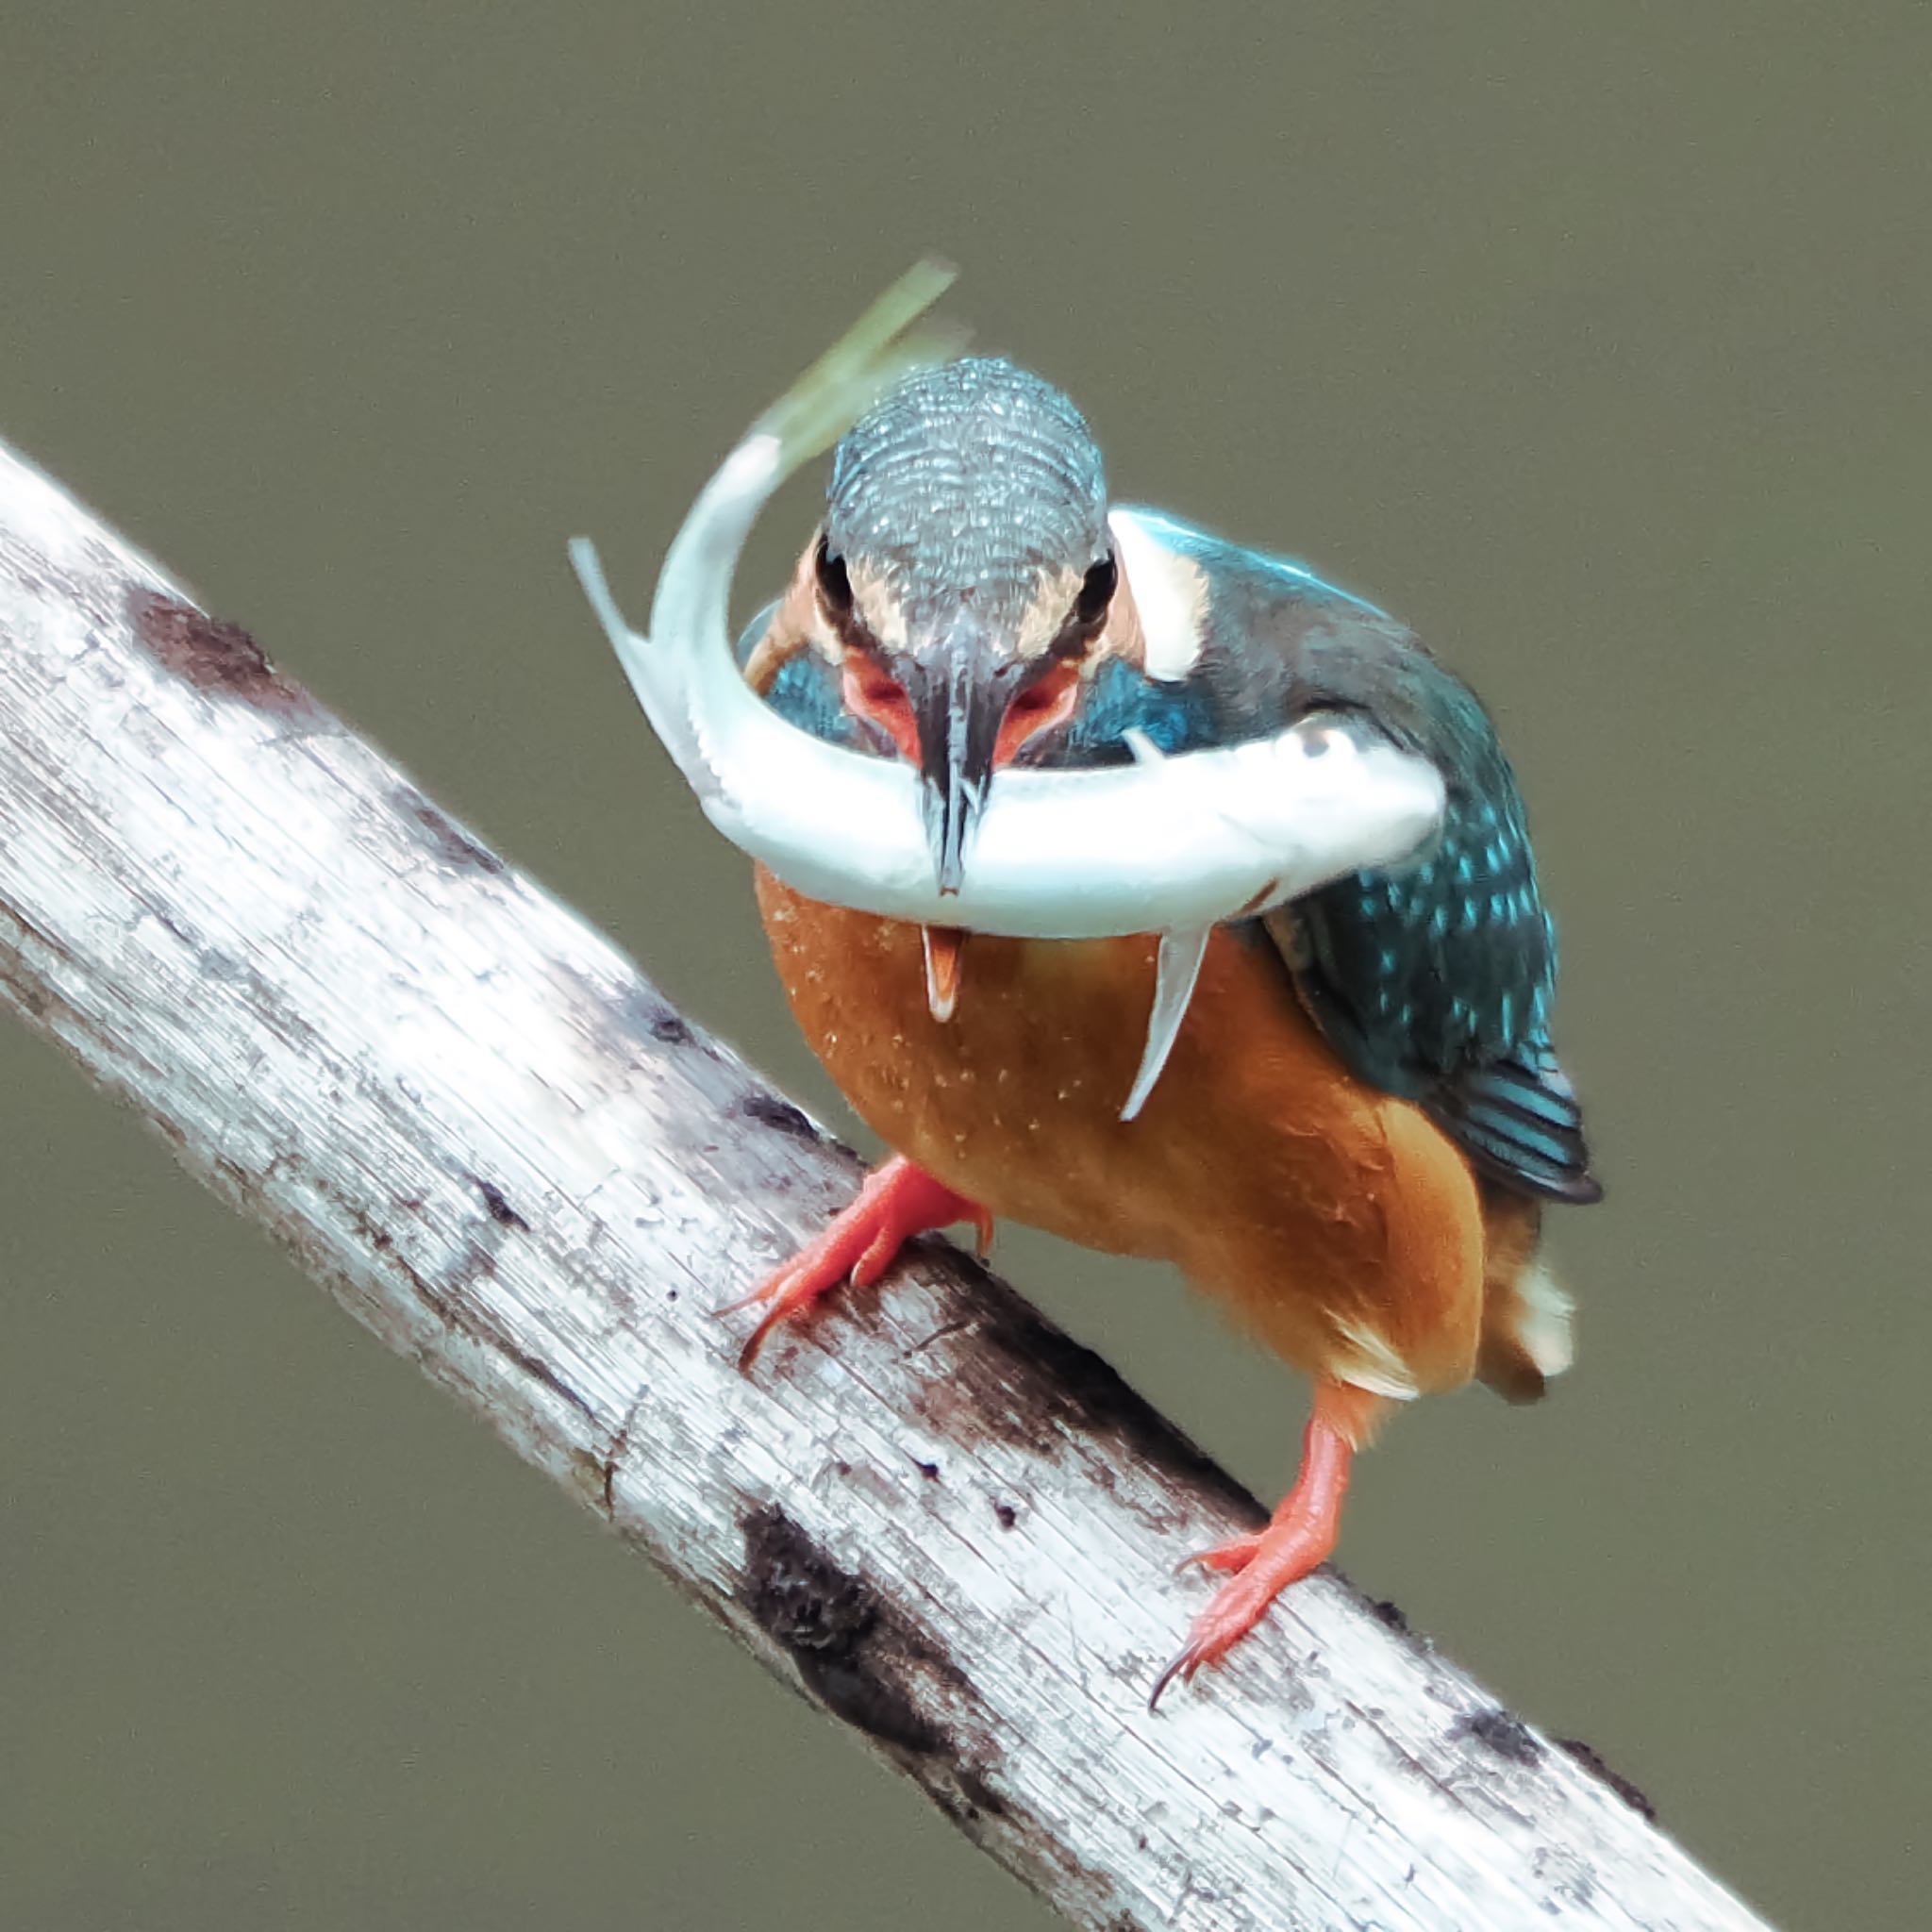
[(472, 1120)]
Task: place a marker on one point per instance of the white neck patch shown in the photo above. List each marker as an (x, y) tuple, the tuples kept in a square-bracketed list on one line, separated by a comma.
[(1170, 592)]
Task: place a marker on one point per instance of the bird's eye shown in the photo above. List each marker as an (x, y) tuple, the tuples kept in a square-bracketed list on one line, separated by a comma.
[(1096, 592), (835, 587)]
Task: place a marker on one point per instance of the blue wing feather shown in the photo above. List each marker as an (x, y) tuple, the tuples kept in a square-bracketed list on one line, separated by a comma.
[(1434, 980)]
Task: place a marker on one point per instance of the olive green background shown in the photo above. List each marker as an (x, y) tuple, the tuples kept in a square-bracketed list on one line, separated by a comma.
[(1590, 339)]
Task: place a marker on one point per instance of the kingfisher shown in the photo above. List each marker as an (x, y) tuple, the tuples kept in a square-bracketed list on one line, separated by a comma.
[(1361, 1112)]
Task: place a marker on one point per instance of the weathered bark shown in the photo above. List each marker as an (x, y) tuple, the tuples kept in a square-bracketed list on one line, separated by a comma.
[(472, 1120)]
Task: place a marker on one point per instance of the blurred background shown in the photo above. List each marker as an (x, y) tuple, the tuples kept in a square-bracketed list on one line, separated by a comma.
[(1591, 341)]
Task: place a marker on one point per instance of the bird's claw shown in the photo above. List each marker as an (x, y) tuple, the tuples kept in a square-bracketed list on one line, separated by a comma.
[(1183, 1664), (1236, 1553), (1259, 1567), (1235, 1608), (896, 1202)]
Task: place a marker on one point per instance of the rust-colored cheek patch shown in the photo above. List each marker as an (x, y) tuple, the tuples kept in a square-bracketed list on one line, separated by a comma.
[(1046, 702), (870, 693)]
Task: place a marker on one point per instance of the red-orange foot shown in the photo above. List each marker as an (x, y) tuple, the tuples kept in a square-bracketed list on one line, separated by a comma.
[(1298, 1538), (897, 1202)]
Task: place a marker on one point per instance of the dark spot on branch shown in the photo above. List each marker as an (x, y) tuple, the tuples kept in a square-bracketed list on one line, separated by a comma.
[(984, 1800), (798, 1594), (1390, 1616), (538, 1370), (849, 1690), (620, 1448), (1586, 1756), (1502, 1732), (847, 1647), (1054, 1384), (447, 839), (634, 1011), (213, 657), (774, 1111), (163, 916), (498, 1204)]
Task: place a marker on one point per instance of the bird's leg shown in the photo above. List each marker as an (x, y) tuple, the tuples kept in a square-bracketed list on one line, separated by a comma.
[(897, 1202), (1299, 1536)]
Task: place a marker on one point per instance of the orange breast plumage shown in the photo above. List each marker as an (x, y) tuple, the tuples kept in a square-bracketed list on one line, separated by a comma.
[(1334, 1221)]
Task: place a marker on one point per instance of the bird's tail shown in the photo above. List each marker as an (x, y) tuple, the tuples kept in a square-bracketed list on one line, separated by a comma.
[(1525, 1335)]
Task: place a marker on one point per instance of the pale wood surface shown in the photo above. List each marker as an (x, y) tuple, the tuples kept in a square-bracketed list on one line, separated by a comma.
[(474, 1123)]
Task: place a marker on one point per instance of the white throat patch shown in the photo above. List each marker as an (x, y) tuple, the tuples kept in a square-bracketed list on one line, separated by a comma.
[(1170, 592)]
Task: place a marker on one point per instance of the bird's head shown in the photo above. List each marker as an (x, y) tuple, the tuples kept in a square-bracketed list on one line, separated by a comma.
[(962, 574)]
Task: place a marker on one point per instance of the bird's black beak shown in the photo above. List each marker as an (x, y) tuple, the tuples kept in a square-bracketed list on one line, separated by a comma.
[(958, 692)]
